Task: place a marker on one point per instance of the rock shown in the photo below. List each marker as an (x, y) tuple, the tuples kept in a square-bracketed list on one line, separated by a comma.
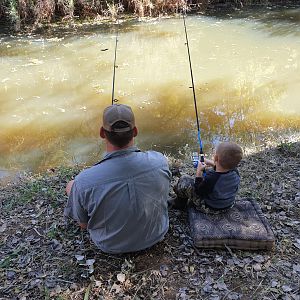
[(286, 288)]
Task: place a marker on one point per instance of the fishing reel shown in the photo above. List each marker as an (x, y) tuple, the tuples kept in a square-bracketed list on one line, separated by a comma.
[(196, 158)]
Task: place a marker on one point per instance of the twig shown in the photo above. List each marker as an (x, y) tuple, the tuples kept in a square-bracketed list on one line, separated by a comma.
[(38, 232), (65, 281), (106, 262), (87, 292), (110, 256), (139, 287), (141, 272), (257, 288), (229, 292), (229, 250), (6, 288)]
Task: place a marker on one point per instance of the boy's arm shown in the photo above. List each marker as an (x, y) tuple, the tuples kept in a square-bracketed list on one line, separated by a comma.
[(200, 168), (209, 162), (205, 185)]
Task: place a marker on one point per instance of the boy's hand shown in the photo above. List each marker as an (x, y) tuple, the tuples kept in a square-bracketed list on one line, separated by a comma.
[(200, 168), (209, 162)]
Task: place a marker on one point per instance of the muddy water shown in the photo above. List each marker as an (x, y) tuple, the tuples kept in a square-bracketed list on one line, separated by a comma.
[(53, 89)]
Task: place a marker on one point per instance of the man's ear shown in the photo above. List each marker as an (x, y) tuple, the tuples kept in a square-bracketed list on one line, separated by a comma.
[(102, 133), (135, 132)]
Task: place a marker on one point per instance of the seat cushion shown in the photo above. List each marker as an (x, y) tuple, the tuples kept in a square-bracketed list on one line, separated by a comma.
[(241, 227)]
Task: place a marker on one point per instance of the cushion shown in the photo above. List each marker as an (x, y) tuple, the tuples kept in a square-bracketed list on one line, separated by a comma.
[(241, 227)]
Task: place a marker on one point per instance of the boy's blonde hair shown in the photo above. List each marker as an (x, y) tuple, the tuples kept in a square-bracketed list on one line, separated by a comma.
[(229, 154)]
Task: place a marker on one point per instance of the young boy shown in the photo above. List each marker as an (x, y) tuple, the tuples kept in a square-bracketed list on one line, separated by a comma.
[(216, 189)]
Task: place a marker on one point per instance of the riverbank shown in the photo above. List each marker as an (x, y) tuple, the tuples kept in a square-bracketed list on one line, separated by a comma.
[(29, 15), (43, 257)]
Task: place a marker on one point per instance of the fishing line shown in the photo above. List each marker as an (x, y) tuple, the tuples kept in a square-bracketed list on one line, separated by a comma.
[(194, 93), (115, 66)]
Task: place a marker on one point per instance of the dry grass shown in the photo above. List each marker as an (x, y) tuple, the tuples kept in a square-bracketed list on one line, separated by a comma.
[(28, 12), (150, 8)]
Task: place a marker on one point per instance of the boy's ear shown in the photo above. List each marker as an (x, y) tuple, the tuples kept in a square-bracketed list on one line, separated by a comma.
[(216, 157)]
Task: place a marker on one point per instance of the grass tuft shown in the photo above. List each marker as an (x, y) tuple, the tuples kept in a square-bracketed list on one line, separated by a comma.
[(29, 12)]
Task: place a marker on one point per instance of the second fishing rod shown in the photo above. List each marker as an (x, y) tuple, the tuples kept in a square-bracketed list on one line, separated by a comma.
[(194, 95), (113, 100)]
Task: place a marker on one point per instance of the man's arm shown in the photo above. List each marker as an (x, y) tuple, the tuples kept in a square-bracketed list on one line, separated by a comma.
[(68, 191)]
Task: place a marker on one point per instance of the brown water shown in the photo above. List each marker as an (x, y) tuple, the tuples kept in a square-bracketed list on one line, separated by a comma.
[(53, 90)]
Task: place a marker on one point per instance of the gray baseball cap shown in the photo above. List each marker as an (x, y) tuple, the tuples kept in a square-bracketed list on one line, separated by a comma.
[(115, 113)]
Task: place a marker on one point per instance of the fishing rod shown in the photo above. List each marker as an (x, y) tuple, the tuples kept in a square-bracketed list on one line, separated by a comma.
[(115, 66), (194, 93)]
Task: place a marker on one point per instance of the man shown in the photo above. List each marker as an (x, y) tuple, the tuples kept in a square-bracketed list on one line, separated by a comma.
[(122, 200)]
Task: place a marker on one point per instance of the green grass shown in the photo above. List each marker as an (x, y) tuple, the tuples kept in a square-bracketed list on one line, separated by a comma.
[(288, 148), (49, 187), (8, 260), (53, 232)]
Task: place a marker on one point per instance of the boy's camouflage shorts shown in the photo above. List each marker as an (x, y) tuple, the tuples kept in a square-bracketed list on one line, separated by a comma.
[(185, 190)]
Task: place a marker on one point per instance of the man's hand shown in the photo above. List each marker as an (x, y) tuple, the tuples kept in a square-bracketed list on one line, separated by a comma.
[(69, 187), (200, 168), (83, 226)]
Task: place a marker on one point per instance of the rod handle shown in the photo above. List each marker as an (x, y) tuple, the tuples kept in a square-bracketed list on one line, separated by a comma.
[(202, 160)]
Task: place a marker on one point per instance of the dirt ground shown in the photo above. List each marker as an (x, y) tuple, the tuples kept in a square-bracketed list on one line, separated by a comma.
[(44, 257)]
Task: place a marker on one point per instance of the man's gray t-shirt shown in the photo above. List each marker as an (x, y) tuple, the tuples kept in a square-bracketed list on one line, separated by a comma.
[(123, 200)]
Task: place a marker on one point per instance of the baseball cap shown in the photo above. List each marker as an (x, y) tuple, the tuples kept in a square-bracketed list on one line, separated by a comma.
[(115, 113)]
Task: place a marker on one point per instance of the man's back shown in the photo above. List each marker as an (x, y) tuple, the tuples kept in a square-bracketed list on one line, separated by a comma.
[(123, 200)]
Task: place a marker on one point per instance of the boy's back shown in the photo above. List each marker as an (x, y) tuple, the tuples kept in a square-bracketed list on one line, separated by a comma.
[(217, 189)]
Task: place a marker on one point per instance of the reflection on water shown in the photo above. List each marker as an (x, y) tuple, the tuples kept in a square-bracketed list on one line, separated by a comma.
[(274, 21), (53, 90)]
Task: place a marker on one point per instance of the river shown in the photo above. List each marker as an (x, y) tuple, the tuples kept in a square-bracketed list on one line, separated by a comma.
[(53, 88)]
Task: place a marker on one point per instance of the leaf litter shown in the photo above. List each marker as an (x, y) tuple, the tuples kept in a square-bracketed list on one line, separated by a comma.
[(42, 256)]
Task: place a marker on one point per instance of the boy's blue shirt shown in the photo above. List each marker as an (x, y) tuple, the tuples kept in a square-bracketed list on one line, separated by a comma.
[(218, 190)]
